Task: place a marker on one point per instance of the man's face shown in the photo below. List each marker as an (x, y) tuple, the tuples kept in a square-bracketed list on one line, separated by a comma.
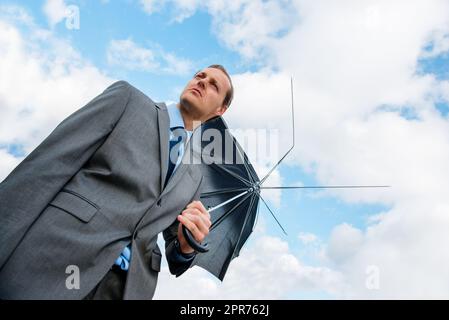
[(203, 96)]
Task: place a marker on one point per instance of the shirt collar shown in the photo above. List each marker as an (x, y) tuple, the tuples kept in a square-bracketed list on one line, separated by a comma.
[(175, 116)]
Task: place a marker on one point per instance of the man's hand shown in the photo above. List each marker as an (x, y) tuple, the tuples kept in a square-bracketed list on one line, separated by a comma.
[(196, 218)]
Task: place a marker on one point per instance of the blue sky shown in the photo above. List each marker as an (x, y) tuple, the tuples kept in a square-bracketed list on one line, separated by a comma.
[(364, 92), (102, 22)]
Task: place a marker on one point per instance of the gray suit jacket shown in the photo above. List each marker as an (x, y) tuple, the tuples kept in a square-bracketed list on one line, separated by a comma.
[(91, 187)]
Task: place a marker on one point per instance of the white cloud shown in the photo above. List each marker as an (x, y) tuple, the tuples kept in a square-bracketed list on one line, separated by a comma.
[(7, 163), (152, 6), (251, 27), (363, 53), (307, 238), (350, 59), (246, 26), (267, 270), (176, 65), (345, 240), (443, 91), (43, 80), (405, 248), (129, 55), (55, 10), (181, 9), (15, 14)]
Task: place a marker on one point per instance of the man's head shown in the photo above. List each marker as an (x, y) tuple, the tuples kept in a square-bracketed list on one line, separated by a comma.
[(208, 94)]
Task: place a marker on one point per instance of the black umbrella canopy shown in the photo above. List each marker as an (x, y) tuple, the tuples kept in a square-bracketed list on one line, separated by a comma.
[(229, 190)]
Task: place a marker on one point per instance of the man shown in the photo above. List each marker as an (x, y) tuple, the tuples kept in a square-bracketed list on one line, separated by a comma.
[(103, 186)]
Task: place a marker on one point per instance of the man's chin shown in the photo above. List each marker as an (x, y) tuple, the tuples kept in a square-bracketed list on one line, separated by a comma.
[(190, 104)]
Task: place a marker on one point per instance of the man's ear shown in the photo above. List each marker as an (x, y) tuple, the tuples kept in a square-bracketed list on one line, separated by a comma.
[(221, 110)]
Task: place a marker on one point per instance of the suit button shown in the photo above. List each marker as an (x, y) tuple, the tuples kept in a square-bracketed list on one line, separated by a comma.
[(159, 202)]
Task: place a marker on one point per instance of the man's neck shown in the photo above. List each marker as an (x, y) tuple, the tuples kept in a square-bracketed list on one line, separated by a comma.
[(190, 121)]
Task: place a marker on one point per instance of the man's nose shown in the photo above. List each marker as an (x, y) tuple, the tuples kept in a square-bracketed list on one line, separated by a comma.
[(201, 84)]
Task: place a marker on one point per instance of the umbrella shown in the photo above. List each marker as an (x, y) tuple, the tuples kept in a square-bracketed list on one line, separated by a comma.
[(231, 191)]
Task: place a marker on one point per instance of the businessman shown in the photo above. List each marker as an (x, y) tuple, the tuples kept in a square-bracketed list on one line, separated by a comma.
[(80, 215)]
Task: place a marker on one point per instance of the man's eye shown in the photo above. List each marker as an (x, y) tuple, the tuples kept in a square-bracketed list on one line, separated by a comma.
[(216, 87)]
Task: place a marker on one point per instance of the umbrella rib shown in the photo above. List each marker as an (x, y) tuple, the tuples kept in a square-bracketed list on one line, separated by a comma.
[(251, 170), (323, 187), (219, 220), (273, 214), (228, 201), (244, 223), (233, 174), (275, 166), (257, 215), (293, 136), (222, 191)]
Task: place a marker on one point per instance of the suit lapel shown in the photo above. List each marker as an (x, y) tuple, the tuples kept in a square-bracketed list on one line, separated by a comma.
[(164, 126), (163, 123)]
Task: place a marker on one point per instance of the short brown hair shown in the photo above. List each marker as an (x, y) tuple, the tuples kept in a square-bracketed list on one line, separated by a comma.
[(230, 94)]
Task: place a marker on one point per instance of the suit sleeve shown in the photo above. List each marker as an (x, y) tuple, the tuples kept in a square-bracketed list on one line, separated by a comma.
[(28, 189), (177, 263)]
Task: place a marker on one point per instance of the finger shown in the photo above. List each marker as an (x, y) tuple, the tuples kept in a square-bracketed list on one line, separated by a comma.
[(191, 204), (203, 209), (193, 211), (199, 205), (196, 212), (197, 234), (199, 222)]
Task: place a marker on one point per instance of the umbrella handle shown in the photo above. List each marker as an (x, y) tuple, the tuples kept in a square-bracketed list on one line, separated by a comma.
[(192, 242)]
